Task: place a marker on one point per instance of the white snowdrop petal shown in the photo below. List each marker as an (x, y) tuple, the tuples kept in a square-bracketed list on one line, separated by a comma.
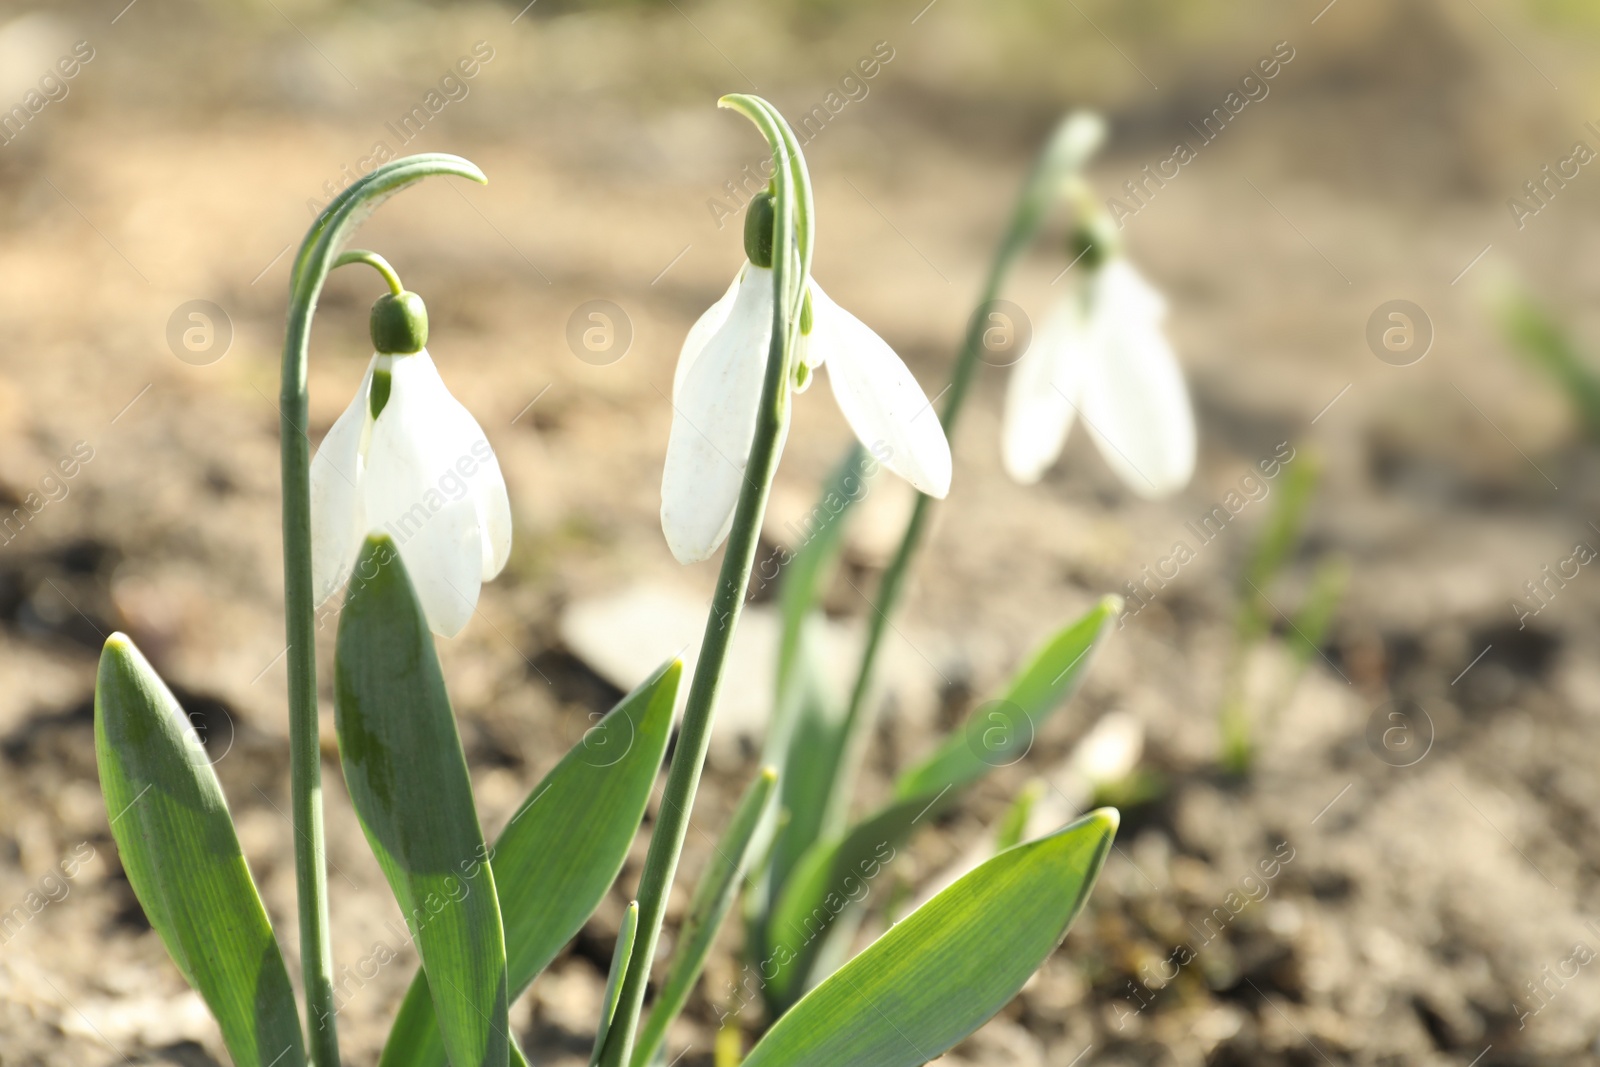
[(703, 330), (415, 494), (1123, 293), (880, 399), (338, 520), (713, 421), (494, 515), (1137, 408), (465, 449), (1043, 392)]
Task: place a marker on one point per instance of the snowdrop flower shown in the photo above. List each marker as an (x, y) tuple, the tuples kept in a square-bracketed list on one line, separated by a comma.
[(407, 460), (1102, 355), (717, 390)]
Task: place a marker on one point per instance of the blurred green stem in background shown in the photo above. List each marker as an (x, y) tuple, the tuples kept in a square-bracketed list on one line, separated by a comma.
[(1548, 347), (312, 264), (1240, 733), (1074, 141), (791, 267)]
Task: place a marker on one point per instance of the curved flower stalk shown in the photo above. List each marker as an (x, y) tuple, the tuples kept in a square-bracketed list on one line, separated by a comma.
[(717, 387), (405, 458), (1072, 144), (1103, 356), (791, 244), (317, 256)]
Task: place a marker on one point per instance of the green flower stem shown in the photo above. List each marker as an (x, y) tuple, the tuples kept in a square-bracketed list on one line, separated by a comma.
[(316, 257), (791, 265), (1073, 142), (377, 263)]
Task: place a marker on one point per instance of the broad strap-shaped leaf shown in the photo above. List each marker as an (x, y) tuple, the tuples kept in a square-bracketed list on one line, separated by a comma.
[(408, 781), (182, 857), (708, 907), (620, 955), (835, 875), (561, 851), (949, 966)]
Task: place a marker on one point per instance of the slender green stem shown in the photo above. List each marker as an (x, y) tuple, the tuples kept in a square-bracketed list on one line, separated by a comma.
[(376, 262), (790, 268), (314, 260), (1074, 141)]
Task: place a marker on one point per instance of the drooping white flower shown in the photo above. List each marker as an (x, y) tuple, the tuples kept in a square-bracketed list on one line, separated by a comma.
[(717, 390), (420, 471), (1102, 355)]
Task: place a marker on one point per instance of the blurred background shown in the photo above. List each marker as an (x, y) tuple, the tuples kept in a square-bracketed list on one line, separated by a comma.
[(1422, 775)]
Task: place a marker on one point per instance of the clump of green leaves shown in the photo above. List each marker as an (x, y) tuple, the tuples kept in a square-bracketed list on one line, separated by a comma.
[(487, 917)]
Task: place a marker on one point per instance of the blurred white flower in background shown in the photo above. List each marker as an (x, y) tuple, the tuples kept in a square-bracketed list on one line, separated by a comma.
[(1102, 355)]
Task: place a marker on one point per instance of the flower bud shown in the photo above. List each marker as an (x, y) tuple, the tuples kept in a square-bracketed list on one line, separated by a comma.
[(1094, 241), (399, 324)]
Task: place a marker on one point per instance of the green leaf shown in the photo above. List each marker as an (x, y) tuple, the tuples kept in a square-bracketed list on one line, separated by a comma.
[(619, 967), (709, 905), (182, 857), (949, 966), (1549, 347), (561, 851), (807, 573), (408, 780), (1015, 821), (834, 875), (1000, 732), (1276, 545), (812, 758), (1311, 625), (805, 735)]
